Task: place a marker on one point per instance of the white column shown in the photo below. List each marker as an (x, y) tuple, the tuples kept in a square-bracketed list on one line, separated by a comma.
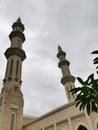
[(89, 122), (70, 124), (55, 126)]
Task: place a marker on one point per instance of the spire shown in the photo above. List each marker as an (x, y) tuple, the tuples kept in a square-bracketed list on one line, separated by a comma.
[(60, 52), (19, 20), (67, 79), (59, 48), (18, 25)]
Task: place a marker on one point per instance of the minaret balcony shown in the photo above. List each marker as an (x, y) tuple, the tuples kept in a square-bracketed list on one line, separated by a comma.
[(62, 53), (17, 33), (15, 51), (66, 79), (65, 62), (18, 24)]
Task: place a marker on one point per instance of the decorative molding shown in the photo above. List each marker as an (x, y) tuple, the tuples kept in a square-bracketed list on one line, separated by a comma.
[(66, 79), (15, 51), (65, 62), (17, 33)]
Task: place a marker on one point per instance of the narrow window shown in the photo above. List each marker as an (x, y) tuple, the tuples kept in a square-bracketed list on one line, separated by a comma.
[(12, 122), (11, 67), (16, 88), (20, 70), (7, 69), (17, 66)]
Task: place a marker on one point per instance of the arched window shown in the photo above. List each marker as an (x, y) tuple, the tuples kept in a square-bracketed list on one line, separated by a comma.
[(12, 124), (82, 128)]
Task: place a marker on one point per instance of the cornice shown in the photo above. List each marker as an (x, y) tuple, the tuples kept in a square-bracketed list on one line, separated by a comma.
[(66, 79), (15, 51), (17, 33), (51, 113)]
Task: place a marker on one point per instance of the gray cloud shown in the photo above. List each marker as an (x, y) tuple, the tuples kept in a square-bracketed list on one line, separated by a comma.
[(71, 23)]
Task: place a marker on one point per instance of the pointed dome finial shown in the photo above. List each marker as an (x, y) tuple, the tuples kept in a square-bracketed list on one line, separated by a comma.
[(19, 19), (59, 48), (60, 51), (58, 45)]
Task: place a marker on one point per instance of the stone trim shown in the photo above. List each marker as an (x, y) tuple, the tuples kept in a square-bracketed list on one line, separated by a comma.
[(15, 51), (14, 106), (18, 24), (65, 62), (67, 79), (17, 33)]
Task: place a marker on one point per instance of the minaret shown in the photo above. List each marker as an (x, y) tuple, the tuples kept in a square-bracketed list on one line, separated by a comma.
[(11, 98), (67, 79)]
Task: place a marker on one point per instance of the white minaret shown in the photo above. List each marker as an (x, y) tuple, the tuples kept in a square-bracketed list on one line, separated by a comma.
[(67, 79), (11, 97), (15, 55)]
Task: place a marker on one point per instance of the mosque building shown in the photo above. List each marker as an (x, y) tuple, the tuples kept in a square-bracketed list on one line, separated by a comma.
[(66, 117)]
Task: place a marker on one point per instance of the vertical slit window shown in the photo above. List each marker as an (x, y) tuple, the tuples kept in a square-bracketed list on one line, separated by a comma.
[(17, 66), (7, 69), (20, 70), (12, 122), (11, 67)]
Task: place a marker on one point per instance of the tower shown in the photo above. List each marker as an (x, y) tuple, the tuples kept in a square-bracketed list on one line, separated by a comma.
[(67, 79), (11, 98)]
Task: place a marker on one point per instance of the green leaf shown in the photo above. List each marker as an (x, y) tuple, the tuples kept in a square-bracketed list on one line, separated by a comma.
[(94, 107), (78, 102), (95, 52), (96, 62), (87, 94), (88, 108), (75, 90), (96, 59), (80, 80), (90, 77)]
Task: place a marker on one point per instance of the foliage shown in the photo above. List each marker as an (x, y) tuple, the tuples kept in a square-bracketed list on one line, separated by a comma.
[(87, 95), (95, 61)]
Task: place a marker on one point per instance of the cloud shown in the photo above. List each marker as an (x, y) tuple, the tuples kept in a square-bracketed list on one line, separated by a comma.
[(70, 23)]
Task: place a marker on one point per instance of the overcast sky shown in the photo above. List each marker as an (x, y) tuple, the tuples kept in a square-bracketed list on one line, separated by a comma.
[(71, 23)]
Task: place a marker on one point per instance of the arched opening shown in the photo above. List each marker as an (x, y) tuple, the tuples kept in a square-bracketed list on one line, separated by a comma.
[(12, 124), (16, 88), (82, 128)]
